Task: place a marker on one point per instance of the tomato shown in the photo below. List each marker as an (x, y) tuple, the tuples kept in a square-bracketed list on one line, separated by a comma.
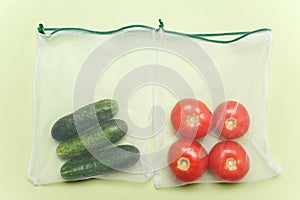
[(191, 118), (187, 160), (228, 161), (231, 119)]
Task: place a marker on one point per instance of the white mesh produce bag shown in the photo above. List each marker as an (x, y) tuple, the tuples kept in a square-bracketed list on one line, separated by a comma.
[(145, 71)]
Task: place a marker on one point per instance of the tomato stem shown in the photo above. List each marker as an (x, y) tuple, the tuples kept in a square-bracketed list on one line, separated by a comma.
[(230, 123), (183, 163), (192, 120), (231, 163)]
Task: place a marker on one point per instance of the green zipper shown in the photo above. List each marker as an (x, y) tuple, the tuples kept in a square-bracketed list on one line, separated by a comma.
[(43, 30)]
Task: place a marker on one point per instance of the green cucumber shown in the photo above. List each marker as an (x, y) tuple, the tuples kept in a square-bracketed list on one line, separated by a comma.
[(84, 118), (116, 158), (93, 139)]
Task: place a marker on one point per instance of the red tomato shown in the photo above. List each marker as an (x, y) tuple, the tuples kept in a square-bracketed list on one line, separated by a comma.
[(228, 161), (231, 119), (187, 160), (191, 118)]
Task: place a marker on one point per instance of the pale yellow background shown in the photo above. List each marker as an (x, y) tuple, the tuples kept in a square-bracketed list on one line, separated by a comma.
[(18, 40)]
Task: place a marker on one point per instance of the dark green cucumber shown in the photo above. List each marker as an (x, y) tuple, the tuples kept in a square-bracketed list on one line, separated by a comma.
[(84, 118), (116, 158), (93, 139)]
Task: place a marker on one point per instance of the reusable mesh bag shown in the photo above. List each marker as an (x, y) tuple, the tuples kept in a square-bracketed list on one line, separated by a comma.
[(92, 86)]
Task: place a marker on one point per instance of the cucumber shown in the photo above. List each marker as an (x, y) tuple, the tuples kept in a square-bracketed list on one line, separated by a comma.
[(84, 118), (93, 139), (116, 158)]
